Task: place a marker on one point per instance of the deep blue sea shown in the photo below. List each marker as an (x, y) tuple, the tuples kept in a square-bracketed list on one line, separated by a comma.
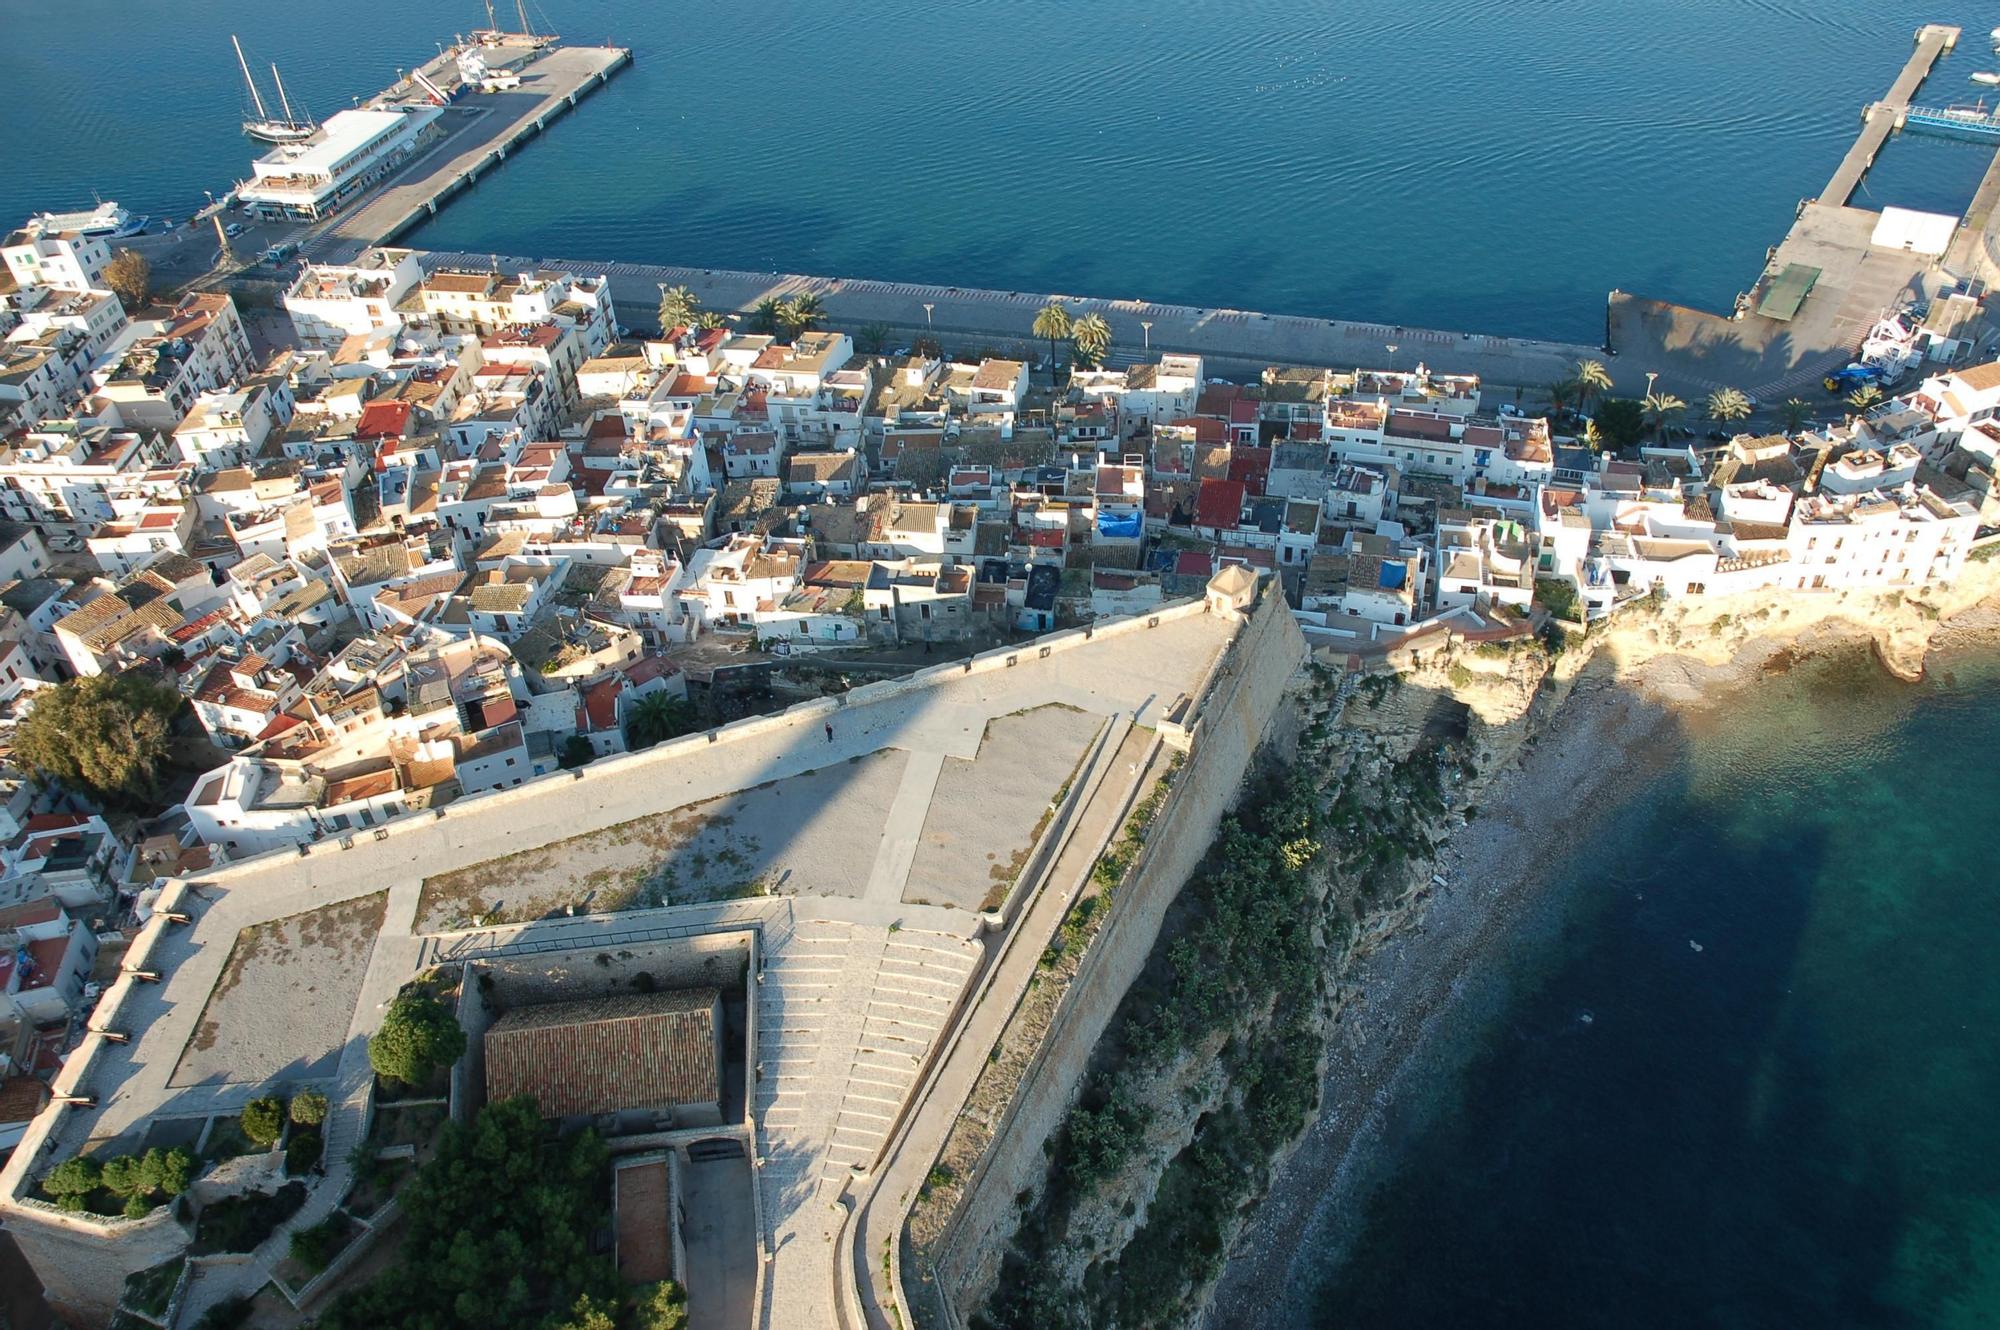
[(1745, 1073), (1490, 165)]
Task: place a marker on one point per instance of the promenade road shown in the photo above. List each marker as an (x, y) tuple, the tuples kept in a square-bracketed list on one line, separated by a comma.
[(1234, 342)]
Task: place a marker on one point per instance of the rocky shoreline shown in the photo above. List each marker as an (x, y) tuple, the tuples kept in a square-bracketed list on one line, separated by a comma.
[(1614, 721)]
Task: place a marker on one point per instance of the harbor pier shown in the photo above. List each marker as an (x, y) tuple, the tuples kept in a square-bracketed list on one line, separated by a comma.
[(483, 128), (1881, 119), (1837, 271)]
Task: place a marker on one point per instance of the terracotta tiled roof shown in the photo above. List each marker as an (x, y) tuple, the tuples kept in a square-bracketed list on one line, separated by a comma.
[(600, 1055)]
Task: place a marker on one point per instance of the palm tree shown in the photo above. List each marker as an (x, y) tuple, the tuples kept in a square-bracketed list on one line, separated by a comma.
[(1793, 415), (872, 339), (1563, 394), (1091, 336), (1727, 404), (801, 314), (1659, 409), (1593, 437), (1864, 397), (1592, 380), (658, 717), (678, 308), (1053, 322), (708, 319), (765, 317)]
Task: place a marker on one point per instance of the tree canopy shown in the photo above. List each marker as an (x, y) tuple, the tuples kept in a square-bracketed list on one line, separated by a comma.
[(129, 277), (1091, 336), (497, 1231), (105, 735), (1621, 420), (263, 1121), (418, 1036), (678, 308), (658, 717)]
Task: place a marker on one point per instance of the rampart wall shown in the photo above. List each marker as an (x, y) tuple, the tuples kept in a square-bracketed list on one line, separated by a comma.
[(1235, 712)]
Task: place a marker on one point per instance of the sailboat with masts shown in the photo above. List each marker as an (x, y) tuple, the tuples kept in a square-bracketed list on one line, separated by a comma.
[(267, 127)]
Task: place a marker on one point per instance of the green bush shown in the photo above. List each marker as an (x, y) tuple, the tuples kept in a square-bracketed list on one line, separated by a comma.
[(302, 1152), (316, 1246), (263, 1121), (661, 1306), (308, 1108), (73, 1180), (1557, 595)]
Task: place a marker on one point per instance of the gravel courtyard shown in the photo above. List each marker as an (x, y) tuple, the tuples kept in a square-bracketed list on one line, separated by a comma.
[(986, 813), (814, 833), (285, 998)]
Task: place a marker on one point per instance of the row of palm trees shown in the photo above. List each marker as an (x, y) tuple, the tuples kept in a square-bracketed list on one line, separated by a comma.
[(680, 308), (1089, 335), (1725, 406)]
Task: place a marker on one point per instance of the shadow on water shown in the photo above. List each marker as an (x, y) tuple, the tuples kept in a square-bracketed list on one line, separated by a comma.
[(1649, 1135)]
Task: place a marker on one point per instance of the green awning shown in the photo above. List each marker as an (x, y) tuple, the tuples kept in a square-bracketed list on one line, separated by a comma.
[(1785, 295)]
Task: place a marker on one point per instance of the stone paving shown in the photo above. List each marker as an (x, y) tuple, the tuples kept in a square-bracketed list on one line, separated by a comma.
[(279, 1010)]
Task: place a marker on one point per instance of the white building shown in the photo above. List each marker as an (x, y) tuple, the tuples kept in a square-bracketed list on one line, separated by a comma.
[(49, 251), (332, 302), (351, 151)]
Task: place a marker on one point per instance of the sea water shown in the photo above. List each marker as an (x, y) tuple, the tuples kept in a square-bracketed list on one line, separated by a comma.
[(1459, 164), (1749, 1077)]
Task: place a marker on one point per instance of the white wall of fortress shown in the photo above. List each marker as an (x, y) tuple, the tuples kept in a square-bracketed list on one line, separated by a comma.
[(1238, 708)]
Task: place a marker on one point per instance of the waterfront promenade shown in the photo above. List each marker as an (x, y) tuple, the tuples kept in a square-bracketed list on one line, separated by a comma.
[(1234, 341)]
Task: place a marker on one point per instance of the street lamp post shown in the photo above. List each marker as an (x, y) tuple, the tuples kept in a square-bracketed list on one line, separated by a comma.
[(1390, 347), (1146, 329), (1650, 376), (928, 307)]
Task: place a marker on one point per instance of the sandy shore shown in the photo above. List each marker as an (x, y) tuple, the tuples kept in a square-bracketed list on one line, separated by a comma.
[(1611, 735)]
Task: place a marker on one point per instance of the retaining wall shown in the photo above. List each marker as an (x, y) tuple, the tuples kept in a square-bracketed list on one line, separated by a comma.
[(1233, 715)]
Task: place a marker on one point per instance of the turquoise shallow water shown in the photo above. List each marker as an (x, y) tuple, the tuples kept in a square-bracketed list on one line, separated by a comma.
[(1791, 1126), (1455, 163)]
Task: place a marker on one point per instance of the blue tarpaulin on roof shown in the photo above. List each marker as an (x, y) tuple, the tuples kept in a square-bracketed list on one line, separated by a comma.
[(1392, 576), (1125, 526)]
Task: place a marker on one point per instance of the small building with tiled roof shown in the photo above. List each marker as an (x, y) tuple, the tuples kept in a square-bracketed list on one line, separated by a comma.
[(658, 1053)]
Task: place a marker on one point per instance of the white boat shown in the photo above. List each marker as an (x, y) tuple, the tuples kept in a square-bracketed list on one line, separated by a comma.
[(1987, 77), (106, 221), (266, 126)]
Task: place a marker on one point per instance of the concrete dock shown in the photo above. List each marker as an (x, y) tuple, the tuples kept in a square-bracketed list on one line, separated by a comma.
[(483, 127), (1883, 118), (1694, 351)]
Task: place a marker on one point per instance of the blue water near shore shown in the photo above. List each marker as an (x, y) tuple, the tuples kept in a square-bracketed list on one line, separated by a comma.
[(1790, 1126), (1448, 163)]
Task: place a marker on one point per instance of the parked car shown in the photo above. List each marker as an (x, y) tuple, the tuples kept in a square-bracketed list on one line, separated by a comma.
[(233, 230)]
